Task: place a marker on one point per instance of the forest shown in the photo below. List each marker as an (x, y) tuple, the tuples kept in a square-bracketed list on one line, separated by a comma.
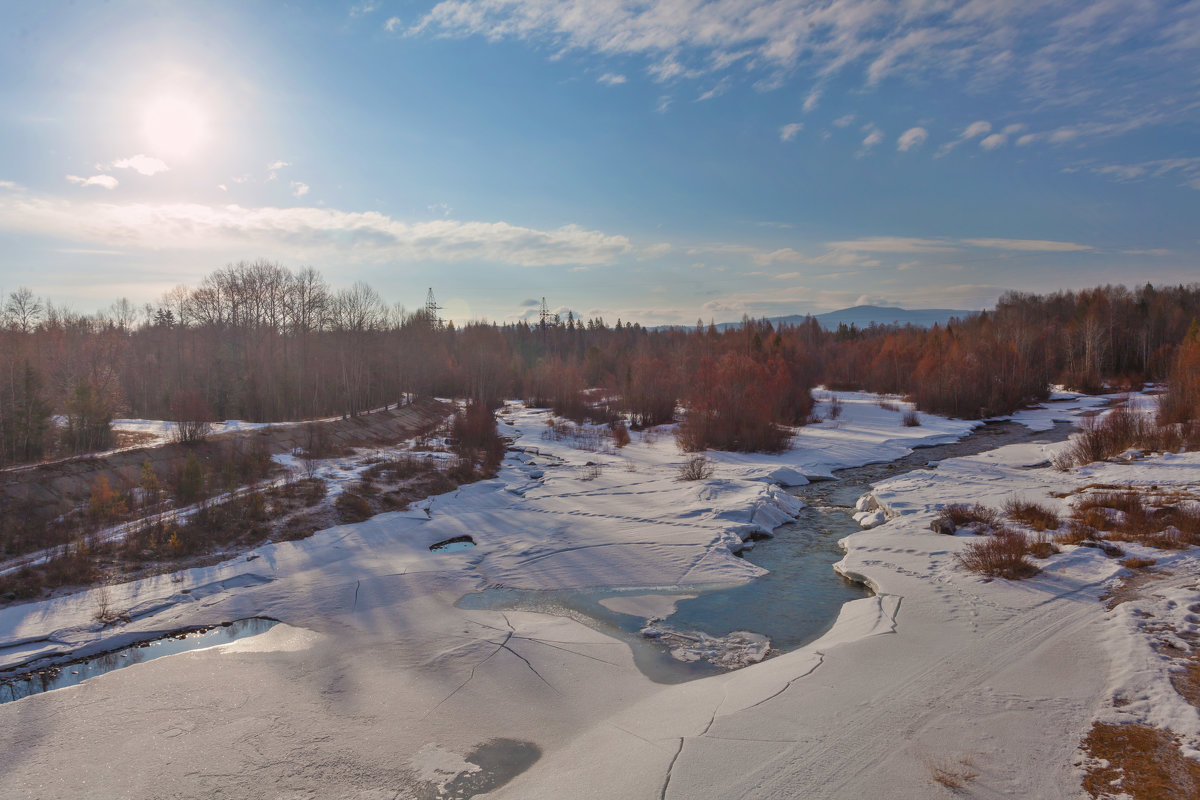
[(262, 342)]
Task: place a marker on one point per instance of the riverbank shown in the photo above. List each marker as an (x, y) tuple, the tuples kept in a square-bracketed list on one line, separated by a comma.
[(397, 687)]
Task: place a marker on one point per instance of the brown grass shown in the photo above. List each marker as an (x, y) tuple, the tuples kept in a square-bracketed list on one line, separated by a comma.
[(953, 775), (963, 514), (1126, 517), (1138, 563), (1004, 555), (1042, 546), (1036, 516), (1187, 681), (1139, 761)]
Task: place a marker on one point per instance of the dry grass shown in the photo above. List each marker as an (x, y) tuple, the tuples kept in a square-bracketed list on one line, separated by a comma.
[(1126, 517), (1043, 546), (696, 468), (1004, 555), (953, 775), (1038, 517), (1138, 563), (963, 514), (1187, 680), (1138, 761), (1102, 437)]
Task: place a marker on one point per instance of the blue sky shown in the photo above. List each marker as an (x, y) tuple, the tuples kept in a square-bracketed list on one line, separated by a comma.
[(650, 161)]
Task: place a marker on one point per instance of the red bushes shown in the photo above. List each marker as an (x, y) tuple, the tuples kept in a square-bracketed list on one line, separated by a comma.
[(476, 438), (735, 404)]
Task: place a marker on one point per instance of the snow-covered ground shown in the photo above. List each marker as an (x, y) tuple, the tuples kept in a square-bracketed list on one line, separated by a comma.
[(395, 686)]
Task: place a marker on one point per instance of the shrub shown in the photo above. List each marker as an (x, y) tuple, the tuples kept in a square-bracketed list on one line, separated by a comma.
[(620, 433), (911, 419), (1108, 435), (352, 507), (835, 407), (739, 403), (1042, 546), (476, 437), (193, 416), (696, 468), (1004, 555), (962, 514), (1035, 516), (189, 483), (105, 503)]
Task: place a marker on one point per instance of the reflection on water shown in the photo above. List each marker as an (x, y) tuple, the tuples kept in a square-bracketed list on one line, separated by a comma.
[(64, 675)]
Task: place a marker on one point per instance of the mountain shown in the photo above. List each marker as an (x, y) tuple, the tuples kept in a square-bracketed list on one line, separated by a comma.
[(863, 316), (860, 317)]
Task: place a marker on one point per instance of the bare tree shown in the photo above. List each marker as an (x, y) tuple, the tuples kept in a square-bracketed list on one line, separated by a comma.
[(23, 310)]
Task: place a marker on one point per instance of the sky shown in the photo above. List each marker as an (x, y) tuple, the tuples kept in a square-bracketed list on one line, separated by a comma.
[(654, 161)]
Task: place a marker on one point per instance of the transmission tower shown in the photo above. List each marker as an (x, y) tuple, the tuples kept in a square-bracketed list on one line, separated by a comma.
[(545, 315), (432, 309)]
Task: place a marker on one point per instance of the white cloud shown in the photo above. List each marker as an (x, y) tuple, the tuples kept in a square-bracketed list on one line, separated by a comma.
[(1029, 245), (719, 89), (299, 189), (364, 8), (664, 102), (276, 165), (9, 185), (976, 129), (844, 121), (222, 187), (972, 131), (874, 137), (893, 244), (993, 141), (144, 164), (393, 24), (788, 132), (911, 138), (1052, 54), (107, 181), (810, 102), (1186, 168), (304, 232), (1157, 251), (611, 79)]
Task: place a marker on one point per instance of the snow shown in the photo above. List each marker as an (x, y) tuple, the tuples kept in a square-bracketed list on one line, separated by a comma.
[(380, 685)]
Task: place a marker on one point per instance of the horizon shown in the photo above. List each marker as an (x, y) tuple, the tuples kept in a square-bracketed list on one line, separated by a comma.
[(749, 158)]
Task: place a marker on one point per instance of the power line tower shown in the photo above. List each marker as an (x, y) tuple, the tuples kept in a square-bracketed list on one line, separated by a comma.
[(545, 316), (432, 309)]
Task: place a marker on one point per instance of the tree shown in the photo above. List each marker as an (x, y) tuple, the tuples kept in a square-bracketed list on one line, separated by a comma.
[(193, 416), (23, 310)]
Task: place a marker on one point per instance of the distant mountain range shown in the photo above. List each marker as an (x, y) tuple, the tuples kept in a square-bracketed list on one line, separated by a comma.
[(864, 317)]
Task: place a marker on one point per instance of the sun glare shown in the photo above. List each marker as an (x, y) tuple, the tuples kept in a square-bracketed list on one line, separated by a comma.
[(174, 125)]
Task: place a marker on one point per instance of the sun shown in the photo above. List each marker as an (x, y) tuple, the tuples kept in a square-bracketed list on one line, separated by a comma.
[(174, 125)]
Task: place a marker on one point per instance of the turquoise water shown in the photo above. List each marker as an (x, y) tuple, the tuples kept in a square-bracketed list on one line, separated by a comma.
[(453, 545), (796, 602), (74, 673)]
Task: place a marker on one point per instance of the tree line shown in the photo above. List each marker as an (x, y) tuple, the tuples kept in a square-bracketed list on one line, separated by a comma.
[(262, 342)]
